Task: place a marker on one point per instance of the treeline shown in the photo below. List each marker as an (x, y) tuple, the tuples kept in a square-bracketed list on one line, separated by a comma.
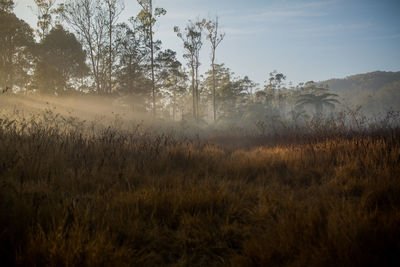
[(82, 46), (375, 91)]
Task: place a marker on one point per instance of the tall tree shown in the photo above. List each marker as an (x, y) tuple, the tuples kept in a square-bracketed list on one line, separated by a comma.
[(148, 16), (233, 91), (192, 43), (215, 39), (88, 19), (16, 41), (168, 75), (44, 12), (114, 9), (132, 61), (167, 65), (60, 58), (177, 88)]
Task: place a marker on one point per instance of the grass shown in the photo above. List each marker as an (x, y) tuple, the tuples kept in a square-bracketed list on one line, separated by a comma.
[(75, 196)]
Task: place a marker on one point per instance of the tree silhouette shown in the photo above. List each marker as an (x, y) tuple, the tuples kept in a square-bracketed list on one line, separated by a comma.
[(60, 58), (215, 38), (318, 101), (16, 42), (44, 12), (89, 20), (192, 43), (147, 17)]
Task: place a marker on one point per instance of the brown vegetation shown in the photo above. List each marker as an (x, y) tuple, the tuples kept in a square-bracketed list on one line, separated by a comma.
[(108, 197)]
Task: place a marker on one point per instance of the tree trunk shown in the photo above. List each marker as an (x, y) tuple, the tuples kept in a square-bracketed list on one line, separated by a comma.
[(152, 59), (174, 106), (110, 53), (194, 94), (197, 93), (214, 85)]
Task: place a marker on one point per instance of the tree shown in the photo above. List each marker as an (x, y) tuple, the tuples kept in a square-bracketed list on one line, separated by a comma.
[(215, 39), (88, 19), (232, 93), (167, 65), (169, 76), (114, 9), (132, 57), (178, 90), (16, 41), (148, 18), (276, 79), (272, 86), (60, 59), (318, 100), (44, 16), (248, 85), (192, 43)]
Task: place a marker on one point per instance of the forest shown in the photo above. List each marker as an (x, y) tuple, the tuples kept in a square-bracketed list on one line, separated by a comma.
[(113, 152)]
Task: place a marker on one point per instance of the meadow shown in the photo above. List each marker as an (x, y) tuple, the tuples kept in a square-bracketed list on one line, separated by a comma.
[(74, 193)]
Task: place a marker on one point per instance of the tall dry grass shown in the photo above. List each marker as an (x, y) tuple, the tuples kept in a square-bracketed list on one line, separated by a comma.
[(73, 195)]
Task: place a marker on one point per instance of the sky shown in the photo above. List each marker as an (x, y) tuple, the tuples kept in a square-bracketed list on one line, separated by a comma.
[(304, 39)]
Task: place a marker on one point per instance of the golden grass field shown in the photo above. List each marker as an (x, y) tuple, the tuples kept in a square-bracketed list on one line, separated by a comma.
[(111, 197)]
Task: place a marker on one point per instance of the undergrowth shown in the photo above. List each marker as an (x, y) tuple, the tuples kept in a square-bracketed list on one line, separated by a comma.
[(72, 194)]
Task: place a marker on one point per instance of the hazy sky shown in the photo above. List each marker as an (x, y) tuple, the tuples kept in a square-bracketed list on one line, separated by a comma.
[(306, 40)]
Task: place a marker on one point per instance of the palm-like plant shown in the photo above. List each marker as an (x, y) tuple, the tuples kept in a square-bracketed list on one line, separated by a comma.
[(318, 101)]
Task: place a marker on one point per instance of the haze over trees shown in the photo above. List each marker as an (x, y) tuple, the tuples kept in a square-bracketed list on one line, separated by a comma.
[(16, 44), (60, 59), (117, 151), (83, 47)]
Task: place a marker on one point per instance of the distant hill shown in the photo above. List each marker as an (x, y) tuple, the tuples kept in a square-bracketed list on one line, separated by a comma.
[(376, 92)]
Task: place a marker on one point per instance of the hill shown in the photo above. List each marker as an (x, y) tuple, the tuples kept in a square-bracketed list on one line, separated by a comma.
[(376, 92)]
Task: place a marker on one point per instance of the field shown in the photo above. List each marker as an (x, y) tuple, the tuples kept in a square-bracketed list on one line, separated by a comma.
[(72, 194)]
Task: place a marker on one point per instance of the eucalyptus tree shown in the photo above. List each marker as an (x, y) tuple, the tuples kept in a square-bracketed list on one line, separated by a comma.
[(273, 85), (147, 17), (170, 78), (88, 18), (215, 38), (44, 12), (132, 61), (248, 85), (167, 65), (178, 91), (192, 38), (113, 10)]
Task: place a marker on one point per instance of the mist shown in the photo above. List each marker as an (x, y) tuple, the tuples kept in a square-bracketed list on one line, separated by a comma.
[(120, 147)]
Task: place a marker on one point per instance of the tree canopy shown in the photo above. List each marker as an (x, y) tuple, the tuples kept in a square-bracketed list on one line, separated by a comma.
[(16, 42), (60, 59)]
